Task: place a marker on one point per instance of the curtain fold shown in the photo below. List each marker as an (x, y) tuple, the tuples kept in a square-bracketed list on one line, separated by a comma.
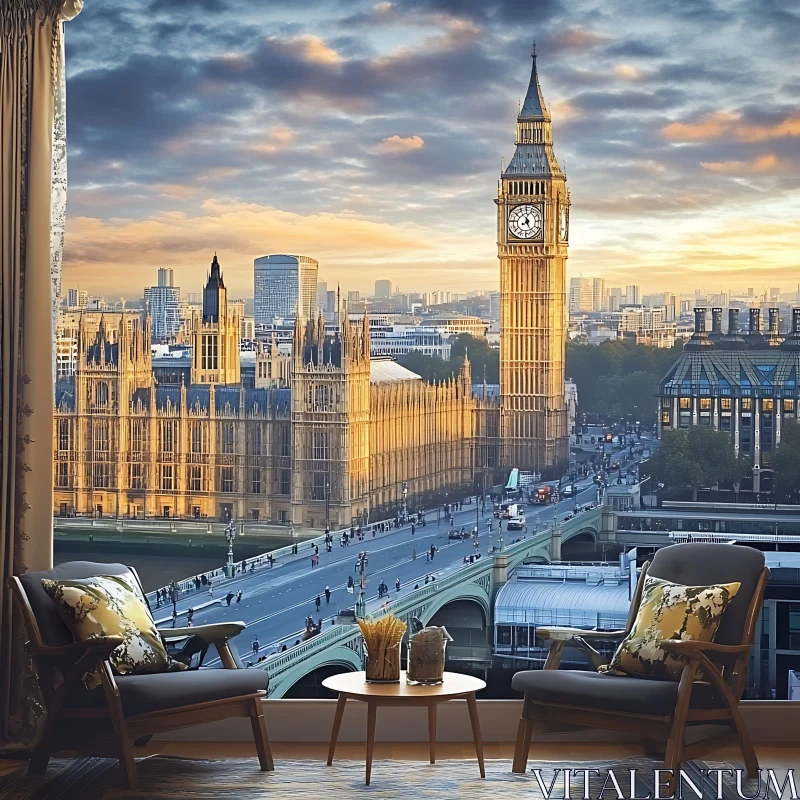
[(32, 213)]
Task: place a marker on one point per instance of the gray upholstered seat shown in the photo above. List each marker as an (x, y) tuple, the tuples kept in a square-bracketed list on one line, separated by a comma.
[(143, 693), (608, 692)]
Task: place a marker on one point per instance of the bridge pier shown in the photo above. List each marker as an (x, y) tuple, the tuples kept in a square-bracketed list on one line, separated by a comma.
[(500, 570), (555, 544)]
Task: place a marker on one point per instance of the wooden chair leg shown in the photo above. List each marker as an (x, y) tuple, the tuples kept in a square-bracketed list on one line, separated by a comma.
[(127, 762), (432, 732), (523, 745), (337, 723), (745, 742), (260, 737), (371, 716), (39, 760)]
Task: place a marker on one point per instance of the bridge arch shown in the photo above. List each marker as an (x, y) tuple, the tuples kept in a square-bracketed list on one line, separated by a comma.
[(338, 656), (470, 591)]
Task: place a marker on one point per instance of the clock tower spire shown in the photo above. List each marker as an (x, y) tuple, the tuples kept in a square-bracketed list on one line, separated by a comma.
[(532, 236)]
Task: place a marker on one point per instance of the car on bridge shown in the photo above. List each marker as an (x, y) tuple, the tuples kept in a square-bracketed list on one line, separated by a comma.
[(458, 535), (516, 524)]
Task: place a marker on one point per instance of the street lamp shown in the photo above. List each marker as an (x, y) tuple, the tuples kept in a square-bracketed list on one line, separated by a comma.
[(230, 535), (405, 496), (327, 507), (175, 590), (361, 569)]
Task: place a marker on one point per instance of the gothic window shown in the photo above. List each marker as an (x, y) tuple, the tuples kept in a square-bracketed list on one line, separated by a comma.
[(168, 436), (195, 479), (320, 486), (136, 476), (63, 474), (63, 434), (197, 437), (322, 398), (285, 482), (255, 440), (100, 475), (167, 478), (227, 437), (284, 440), (256, 481), (102, 394), (227, 479), (320, 449), (137, 436)]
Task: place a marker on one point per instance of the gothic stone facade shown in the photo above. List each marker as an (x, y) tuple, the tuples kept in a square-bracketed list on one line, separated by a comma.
[(335, 447)]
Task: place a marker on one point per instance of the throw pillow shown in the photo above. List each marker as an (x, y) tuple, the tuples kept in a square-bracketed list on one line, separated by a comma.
[(111, 606), (669, 611)]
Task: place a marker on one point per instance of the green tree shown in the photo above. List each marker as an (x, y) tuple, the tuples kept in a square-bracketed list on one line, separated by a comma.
[(695, 457), (483, 360), (786, 463)]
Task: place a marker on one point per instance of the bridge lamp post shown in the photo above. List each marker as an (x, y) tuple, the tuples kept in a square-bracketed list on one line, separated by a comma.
[(405, 498), (230, 535), (361, 604), (327, 507)]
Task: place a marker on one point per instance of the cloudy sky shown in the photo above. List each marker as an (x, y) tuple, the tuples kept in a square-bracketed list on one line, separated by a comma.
[(369, 136)]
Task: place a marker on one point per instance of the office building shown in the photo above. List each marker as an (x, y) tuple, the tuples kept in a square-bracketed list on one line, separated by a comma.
[(77, 299), (164, 304), (322, 295), (581, 295), (383, 289), (633, 295), (282, 283)]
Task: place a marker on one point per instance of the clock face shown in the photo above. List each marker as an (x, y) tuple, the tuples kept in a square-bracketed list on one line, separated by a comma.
[(526, 222), (563, 222)]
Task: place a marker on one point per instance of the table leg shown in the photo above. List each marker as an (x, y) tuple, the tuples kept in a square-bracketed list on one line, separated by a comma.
[(372, 709), (337, 723), (432, 731), (476, 730)]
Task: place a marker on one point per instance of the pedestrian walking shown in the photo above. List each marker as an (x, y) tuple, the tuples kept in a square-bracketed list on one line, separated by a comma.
[(327, 594), (318, 602), (316, 550), (414, 554), (433, 551), (229, 597), (190, 616), (256, 646), (211, 588), (413, 529), (397, 585), (426, 580), (427, 556), (239, 596), (174, 617)]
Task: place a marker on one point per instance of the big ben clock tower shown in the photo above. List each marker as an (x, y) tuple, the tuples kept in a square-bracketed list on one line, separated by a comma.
[(532, 237)]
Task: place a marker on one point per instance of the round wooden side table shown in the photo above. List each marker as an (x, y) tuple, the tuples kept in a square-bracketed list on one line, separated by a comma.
[(354, 686)]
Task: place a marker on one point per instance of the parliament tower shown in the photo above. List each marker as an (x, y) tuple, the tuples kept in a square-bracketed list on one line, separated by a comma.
[(532, 236)]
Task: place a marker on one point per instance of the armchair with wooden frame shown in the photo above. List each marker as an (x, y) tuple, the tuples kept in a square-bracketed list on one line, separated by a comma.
[(126, 709), (659, 710)]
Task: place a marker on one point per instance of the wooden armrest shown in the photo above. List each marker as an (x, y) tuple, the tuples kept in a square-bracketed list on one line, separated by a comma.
[(565, 634), (99, 644), (690, 647), (213, 632)]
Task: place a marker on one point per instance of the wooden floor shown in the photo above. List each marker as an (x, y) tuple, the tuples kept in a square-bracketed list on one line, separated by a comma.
[(776, 756), (779, 757)]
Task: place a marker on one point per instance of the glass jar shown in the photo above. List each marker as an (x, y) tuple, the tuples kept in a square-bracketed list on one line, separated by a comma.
[(383, 664), (426, 661)]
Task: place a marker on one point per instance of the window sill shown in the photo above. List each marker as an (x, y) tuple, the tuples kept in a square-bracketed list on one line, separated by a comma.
[(769, 722)]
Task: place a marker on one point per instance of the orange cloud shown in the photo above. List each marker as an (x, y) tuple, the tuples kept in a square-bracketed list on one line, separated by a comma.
[(721, 124), (563, 109), (765, 163), (627, 73), (579, 38), (312, 48), (393, 145), (277, 139)]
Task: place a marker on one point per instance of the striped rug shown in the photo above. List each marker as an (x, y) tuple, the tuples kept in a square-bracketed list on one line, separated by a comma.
[(169, 778)]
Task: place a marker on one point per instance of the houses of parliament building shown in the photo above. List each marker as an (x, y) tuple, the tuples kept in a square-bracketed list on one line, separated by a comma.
[(328, 435)]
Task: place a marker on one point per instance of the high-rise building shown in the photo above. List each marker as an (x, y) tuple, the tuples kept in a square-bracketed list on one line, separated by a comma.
[(598, 294), (282, 283), (354, 296), (77, 298), (383, 289), (533, 226), (581, 295), (633, 295), (164, 304), (322, 295)]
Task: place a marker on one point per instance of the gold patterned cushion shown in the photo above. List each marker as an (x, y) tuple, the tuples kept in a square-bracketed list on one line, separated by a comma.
[(111, 606), (669, 611)]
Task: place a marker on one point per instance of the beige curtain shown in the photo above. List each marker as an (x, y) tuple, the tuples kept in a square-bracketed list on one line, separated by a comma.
[(32, 211)]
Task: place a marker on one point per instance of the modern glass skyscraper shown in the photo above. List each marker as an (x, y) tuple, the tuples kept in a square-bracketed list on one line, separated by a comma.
[(281, 282)]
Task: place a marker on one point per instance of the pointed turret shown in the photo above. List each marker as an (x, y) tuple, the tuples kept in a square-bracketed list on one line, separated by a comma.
[(534, 107), (211, 293), (365, 337)]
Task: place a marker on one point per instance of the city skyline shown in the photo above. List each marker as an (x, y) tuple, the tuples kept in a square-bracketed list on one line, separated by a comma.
[(369, 137)]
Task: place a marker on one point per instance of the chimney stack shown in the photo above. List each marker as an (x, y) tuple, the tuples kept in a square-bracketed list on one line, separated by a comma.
[(716, 320), (733, 321), (796, 320), (755, 320), (774, 320), (699, 320)]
